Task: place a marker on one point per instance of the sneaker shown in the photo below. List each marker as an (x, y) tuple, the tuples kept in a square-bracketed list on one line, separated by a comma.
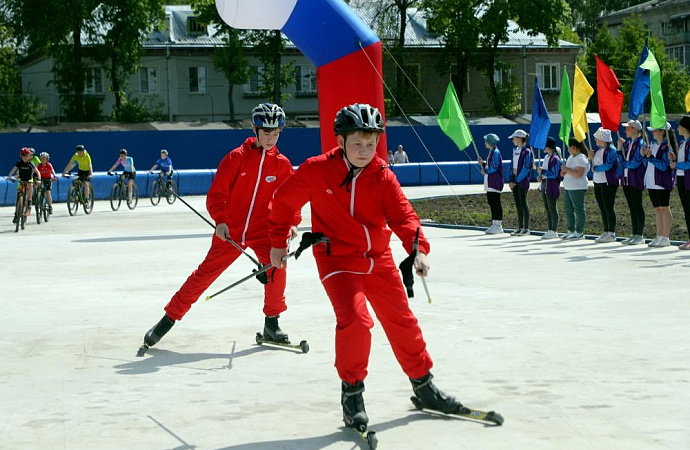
[(601, 237), (685, 246), (637, 239), (654, 242), (354, 413), (576, 236), (550, 235), (664, 242), (516, 232), (568, 234), (627, 241), (431, 397), (272, 330), (494, 229), (610, 237), (524, 232)]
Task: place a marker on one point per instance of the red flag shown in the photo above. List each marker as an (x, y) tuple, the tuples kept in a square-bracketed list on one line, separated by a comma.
[(609, 96)]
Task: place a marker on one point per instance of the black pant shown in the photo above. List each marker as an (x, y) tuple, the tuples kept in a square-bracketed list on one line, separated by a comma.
[(684, 200), (606, 199), (520, 196), (550, 207), (634, 198), (494, 199)]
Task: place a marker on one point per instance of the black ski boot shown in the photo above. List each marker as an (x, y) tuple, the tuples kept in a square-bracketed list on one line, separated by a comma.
[(354, 414), (431, 397), (155, 334), (273, 332)]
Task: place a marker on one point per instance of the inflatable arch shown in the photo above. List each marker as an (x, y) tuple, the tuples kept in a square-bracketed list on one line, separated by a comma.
[(346, 52)]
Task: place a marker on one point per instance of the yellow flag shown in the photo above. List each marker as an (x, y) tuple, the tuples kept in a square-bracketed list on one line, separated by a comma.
[(582, 91), (687, 102)]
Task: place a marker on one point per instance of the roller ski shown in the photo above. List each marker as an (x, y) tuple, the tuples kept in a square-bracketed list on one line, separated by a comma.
[(354, 413), (155, 334), (273, 335), (428, 397)]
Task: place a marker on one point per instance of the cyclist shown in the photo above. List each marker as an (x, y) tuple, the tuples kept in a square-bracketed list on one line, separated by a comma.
[(166, 166), (238, 202), (82, 160), (129, 172), (26, 171), (36, 160), (48, 175)]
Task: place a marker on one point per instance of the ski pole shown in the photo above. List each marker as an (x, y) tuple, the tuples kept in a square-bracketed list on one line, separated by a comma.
[(234, 244), (426, 289), (308, 239)]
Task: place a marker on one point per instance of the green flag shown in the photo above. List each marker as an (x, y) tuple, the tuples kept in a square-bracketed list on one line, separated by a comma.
[(452, 120), (658, 112), (565, 107)]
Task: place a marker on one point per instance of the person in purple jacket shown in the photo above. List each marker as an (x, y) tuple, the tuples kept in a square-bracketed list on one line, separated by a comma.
[(658, 180), (492, 169), (550, 179), (521, 165), (683, 179), (605, 167), (633, 177)]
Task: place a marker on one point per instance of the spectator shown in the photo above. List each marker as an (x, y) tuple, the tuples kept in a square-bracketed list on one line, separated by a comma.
[(605, 167), (683, 180), (520, 175), (400, 156), (633, 178), (391, 158), (658, 180), (492, 169), (574, 174), (550, 179)]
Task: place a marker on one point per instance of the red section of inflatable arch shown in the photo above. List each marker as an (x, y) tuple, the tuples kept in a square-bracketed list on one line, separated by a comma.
[(348, 80)]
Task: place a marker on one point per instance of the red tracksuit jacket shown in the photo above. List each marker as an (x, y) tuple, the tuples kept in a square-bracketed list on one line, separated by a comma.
[(358, 223), (243, 187)]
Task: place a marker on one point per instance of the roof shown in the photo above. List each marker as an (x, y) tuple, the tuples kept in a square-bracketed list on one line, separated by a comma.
[(647, 6)]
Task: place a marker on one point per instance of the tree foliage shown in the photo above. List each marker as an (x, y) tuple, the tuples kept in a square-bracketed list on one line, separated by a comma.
[(587, 14), (622, 54)]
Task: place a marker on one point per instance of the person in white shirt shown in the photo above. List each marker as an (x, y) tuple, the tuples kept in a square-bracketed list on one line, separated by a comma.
[(574, 173), (658, 180), (400, 156), (683, 179)]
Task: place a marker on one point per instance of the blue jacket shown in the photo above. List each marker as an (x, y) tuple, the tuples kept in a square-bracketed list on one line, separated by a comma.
[(524, 168), (663, 174), (552, 175), (685, 165), (494, 169), (609, 166), (634, 162)]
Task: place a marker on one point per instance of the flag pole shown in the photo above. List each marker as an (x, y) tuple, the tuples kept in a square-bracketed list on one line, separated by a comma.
[(475, 148)]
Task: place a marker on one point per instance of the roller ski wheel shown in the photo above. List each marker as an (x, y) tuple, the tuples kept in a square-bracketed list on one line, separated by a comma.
[(142, 350), (491, 417), (303, 345), (367, 435)]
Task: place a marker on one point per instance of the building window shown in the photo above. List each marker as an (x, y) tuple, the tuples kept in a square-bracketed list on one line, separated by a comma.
[(94, 80), (547, 76), (676, 53), (502, 76), (148, 77), (305, 79), (197, 80), (255, 80), (194, 28)]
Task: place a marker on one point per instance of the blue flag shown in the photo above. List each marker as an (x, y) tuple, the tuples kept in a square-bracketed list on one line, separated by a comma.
[(640, 87), (541, 123)]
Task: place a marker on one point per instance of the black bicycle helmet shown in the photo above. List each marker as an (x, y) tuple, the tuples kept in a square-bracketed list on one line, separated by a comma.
[(268, 115), (358, 117), (79, 147)]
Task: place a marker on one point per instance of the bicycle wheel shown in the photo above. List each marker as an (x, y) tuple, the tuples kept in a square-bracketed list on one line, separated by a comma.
[(88, 203), (44, 208), (156, 193), (37, 206), (72, 201), (18, 209), (115, 197), (135, 197), (26, 210), (170, 193)]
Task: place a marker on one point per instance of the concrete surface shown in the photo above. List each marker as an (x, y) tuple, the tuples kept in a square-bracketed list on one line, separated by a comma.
[(578, 345)]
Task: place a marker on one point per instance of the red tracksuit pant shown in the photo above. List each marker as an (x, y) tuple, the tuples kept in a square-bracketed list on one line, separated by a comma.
[(219, 258), (383, 288)]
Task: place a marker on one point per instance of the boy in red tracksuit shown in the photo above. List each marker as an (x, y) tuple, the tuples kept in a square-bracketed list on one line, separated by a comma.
[(356, 201), (238, 202)]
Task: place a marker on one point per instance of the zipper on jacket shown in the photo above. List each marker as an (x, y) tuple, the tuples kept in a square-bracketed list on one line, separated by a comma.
[(256, 189), (352, 212)]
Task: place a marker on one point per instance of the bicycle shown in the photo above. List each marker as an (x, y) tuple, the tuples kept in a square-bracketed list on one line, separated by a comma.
[(118, 192), (21, 208), (162, 187), (76, 197), (43, 209)]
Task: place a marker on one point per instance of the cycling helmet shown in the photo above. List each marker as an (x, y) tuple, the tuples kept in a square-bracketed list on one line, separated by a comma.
[(31, 149), (123, 151), (79, 148), (25, 151), (358, 117), (164, 152), (44, 154), (268, 115)]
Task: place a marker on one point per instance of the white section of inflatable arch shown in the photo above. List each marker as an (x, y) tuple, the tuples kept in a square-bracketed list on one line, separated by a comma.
[(256, 14)]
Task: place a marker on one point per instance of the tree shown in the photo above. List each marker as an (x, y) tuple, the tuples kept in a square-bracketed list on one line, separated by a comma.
[(127, 24), (622, 54), (274, 75), (228, 58), (587, 13)]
